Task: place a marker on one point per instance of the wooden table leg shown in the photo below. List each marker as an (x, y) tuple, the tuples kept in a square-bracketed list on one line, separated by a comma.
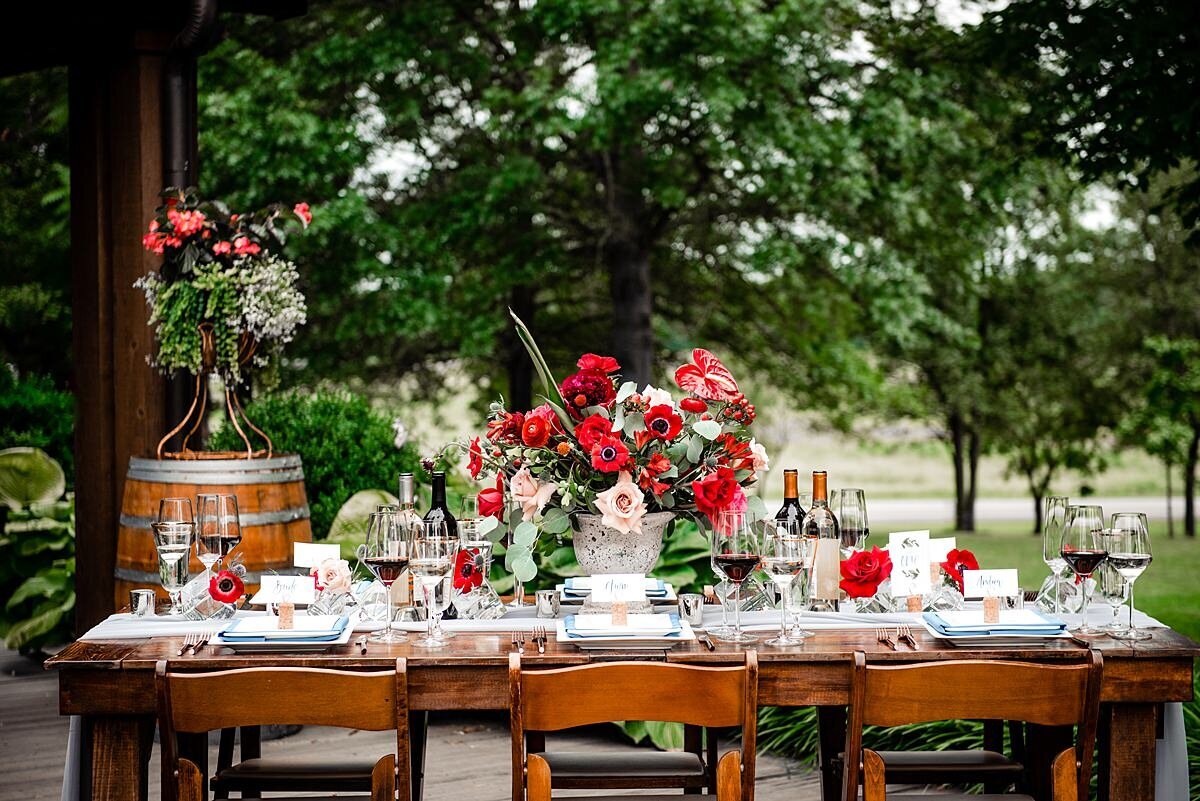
[(418, 730), (1130, 759), (118, 758), (831, 734)]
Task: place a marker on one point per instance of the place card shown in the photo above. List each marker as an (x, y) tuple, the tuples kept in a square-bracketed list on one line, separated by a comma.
[(940, 548), (990, 583), (625, 587), (278, 589), (909, 551), (311, 554)]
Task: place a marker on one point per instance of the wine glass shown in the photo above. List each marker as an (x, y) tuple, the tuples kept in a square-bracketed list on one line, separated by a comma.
[(1131, 531), (852, 515), (469, 509), (1054, 517), (173, 540), (433, 556), (784, 552), (735, 554), (1111, 586), (218, 528), (1083, 551), (175, 510), (386, 554)]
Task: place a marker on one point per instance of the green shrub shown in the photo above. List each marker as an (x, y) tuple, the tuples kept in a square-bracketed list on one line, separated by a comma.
[(37, 575), (346, 446), (35, 413)]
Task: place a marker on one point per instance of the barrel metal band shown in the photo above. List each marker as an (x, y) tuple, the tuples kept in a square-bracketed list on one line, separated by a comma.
[(245, 518), (223, 479)]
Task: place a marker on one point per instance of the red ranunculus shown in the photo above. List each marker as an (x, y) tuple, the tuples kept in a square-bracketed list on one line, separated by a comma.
[(715, 492), (605, 364), (587, 388), (467, 575), (535, 432), (693, 405), (609, 455), (707, 378), (663, 423), (591, 430), (547, 413), (474, 458), (864, 571), (491, 500), (226, 587), (956, 562)]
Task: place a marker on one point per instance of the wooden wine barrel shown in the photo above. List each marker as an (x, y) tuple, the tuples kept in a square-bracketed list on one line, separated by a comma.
[(271, 503)]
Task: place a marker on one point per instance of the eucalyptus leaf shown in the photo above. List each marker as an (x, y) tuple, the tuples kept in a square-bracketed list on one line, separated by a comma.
[(756, 508), (525, 534), (625, 390), (555, 521), (695, 448), (618, 420), (709, 429), (524, 569), (633, 423)]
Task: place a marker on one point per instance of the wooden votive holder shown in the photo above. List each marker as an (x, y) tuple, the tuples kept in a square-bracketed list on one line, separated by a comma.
[(287, 615), (991, 610), (915, 603), (620, 613)]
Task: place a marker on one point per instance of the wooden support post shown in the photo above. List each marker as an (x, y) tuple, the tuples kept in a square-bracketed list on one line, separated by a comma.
[(116, 177)]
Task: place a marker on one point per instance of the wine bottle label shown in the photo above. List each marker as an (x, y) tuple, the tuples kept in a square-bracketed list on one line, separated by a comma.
[(827, 569)]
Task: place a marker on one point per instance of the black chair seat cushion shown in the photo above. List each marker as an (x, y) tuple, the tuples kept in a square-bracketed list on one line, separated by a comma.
[(297, 773), (950, 767), (625, 770)]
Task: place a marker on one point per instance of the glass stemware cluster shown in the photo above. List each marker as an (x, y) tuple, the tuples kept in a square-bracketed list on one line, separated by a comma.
[(216, 528)]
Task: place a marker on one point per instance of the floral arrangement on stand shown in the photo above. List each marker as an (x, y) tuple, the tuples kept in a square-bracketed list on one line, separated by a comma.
[(224, 299), (600, 455), (866, 580)]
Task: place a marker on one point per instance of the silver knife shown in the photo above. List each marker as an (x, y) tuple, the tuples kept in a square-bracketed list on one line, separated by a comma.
[(708, 643)]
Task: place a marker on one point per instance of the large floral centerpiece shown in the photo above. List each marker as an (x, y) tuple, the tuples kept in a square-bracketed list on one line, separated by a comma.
[(614, 462), (224, 299)]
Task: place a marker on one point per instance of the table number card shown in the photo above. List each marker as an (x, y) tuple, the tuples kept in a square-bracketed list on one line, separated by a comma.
[(910, 563), (311, 554), (618, 587)]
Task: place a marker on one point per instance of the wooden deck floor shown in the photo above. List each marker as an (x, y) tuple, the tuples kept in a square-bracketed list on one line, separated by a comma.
[(468, 756)]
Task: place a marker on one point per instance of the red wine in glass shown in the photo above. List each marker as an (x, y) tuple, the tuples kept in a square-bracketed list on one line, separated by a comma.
[(737, 567), (387, 568), (1084, 562)]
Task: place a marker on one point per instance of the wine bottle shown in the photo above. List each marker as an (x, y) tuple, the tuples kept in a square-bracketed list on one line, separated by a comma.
[(439, 511), (791, 513), (821, 525)]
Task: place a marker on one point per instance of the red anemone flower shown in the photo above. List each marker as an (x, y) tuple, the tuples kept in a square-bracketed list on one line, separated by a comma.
[(956, 562), (663, 423), (609, 455), (226, 587), (467, 575)]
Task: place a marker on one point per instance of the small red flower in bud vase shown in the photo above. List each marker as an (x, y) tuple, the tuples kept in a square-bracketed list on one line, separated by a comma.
[(226, 587)]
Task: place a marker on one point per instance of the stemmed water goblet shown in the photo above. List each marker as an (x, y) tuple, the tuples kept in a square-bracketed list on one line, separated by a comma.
[(1111, 586), (784, 554), (736, 555), (1054, 518), (433, 556), (1083, 551), (173, 541), (1130, 556), (218, 528), (386, 553)]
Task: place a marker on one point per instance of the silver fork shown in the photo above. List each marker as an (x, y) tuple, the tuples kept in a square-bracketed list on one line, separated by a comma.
[(539, 636), (188, 642), (204, 638), (904, 634), (881, 635), (518, 641)]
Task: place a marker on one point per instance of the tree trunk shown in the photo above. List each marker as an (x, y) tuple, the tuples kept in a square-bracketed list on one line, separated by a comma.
[(958, 454), (626, 255), (520, 366), (1170, 498), (972, 480), (1189, 485), (1038, 522)]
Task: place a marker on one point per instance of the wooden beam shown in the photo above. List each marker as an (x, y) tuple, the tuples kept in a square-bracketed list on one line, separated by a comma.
[(116, 175)]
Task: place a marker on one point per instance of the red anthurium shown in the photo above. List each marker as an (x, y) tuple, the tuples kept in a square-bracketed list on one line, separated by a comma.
[(707, 377)]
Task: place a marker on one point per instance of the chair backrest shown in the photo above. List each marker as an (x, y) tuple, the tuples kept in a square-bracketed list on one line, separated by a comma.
[(201, 702), (1049, 694), (562, 698)]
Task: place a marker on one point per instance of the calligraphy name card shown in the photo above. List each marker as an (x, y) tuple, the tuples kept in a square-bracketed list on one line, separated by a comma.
[(990, 583), (910, 563), (623, 587)]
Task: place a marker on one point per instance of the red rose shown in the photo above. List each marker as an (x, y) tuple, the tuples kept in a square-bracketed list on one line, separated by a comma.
[(587, 388), (226, 587), (609, 455), (693, 405), (535, 432), (663, 423), (605, 364), (491, 500), (475, 458), (715, 492), (591, 430), (467, 575), (956, 562), (864, 571)]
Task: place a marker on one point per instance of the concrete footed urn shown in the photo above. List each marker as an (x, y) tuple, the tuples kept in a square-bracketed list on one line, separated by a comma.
[(601, 549)]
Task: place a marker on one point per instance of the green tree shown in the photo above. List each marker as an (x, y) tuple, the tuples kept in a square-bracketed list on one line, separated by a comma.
[(1172, 393)]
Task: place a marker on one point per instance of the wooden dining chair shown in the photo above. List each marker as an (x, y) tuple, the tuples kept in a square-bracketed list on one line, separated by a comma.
[(553, 700), (1030, 692), (197, 703)]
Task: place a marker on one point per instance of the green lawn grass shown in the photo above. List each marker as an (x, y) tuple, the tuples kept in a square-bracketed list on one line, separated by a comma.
[(1169, 590)]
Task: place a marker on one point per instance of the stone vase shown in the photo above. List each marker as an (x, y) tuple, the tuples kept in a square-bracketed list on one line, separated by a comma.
[(601, 549)]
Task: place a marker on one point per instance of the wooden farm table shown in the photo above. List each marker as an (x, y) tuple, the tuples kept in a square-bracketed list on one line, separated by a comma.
[(111, 685)]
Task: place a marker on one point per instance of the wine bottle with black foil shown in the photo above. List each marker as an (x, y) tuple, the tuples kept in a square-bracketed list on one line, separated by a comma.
[(439, 511), (791, 513), (821, 525)]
